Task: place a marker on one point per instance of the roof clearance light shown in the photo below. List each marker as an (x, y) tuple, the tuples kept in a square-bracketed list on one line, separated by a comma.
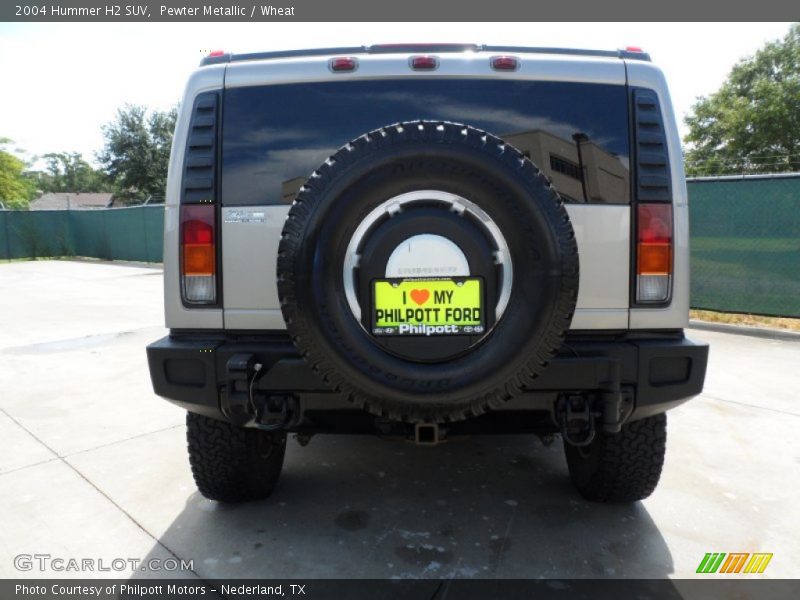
[(343, 64), (423, 63), (215, 53), (505, 63), (633, 49)]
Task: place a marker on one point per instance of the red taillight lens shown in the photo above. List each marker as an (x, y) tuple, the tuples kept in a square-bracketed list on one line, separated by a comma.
[(653, 252), (655, 239), (196, 229), (505, 63), (423, 63), (198, 253), (343, 63)]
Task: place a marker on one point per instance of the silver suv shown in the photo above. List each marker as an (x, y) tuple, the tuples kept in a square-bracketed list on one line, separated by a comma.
[(427, 240)]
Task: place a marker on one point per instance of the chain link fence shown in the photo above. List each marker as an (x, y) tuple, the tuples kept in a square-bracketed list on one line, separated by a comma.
[(131, 233), (745, 244)]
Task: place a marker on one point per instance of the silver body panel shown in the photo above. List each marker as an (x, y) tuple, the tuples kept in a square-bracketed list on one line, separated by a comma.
[(250, 250), (603, 236), (249, 256), (250, 238)]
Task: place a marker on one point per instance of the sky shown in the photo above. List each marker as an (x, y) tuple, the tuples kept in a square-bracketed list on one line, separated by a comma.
[(62, 82)]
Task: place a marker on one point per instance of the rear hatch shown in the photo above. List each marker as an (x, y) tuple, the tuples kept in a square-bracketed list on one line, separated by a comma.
[(282, 118)]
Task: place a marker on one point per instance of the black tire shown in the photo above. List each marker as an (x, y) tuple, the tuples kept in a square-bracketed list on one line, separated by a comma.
[(233, 464), (620, 467), (409, 157)]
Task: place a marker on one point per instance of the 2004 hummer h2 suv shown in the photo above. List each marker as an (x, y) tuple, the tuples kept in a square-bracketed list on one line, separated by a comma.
[(427, 240)]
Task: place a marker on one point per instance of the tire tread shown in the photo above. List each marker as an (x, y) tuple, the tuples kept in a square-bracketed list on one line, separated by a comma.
[(230, 463), (627, 465)]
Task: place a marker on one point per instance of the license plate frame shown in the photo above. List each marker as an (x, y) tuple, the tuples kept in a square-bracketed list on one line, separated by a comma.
[(442, 306)]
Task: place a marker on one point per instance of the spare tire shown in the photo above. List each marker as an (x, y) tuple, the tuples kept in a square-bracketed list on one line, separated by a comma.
[(472, 208)]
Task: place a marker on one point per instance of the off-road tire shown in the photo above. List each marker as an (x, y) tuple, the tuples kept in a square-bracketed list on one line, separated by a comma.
[(620, 467), (233, 464), (328, 336)]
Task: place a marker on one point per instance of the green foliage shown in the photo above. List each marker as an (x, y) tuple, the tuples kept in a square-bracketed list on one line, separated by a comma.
[(136, 151), (69, 172), (16, 191), (752, 123)]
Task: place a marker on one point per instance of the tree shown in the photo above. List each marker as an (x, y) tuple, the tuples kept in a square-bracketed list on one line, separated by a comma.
[(69, 172), (16, 190), (752, 123), (136, 151)]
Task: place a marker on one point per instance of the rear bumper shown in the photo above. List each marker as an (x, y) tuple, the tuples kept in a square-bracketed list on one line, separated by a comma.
[(659, 369)]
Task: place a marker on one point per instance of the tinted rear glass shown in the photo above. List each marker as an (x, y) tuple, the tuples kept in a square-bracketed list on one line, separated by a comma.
[(275, 136)]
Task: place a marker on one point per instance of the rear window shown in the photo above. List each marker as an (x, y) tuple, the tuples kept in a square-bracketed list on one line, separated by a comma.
[(275, 136)]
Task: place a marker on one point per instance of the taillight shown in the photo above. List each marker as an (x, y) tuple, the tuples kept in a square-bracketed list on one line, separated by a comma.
[(653, 253), (198, 253), (423, 63)]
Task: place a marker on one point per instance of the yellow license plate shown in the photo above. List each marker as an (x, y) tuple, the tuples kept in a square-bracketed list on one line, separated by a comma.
[(427, 307)]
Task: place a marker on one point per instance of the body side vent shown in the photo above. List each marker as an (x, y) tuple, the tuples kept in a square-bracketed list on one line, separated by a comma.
[(652, 158), (200, 161)]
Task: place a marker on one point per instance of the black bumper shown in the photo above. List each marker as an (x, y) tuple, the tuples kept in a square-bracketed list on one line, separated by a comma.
[(659, 369)]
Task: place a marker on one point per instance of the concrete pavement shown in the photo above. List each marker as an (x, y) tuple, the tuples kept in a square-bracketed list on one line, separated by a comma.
[(93, 465)]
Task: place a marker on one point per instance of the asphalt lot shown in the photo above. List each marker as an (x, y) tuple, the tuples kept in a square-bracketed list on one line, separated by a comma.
[(93, 465)]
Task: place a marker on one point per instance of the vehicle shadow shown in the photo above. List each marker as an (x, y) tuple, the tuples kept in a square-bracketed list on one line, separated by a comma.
[(363, 507)]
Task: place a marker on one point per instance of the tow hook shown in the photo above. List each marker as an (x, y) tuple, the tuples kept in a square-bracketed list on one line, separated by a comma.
[(576, 419), (616, 400), (617, 407), (579, 416), (245, 406), (237, 403)]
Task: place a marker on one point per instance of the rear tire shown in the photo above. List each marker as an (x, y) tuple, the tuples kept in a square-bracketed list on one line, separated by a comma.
[(233, 464), (621, 467)]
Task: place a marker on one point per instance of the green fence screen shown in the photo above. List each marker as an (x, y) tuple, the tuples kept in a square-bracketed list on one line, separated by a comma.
[(745, 235), (745, 244), (134, 233)]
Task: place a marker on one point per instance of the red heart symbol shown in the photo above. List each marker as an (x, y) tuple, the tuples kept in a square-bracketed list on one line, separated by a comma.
[(420, 296)]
